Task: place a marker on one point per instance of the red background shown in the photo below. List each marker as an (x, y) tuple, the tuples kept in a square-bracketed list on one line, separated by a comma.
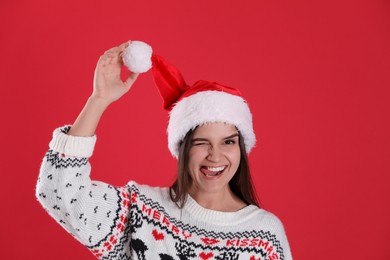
[(315, 74)]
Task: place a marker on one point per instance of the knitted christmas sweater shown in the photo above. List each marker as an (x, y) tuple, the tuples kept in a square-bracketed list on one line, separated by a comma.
[(141, 222)]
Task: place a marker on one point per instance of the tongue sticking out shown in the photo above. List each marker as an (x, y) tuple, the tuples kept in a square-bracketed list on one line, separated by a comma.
[(208, 172)]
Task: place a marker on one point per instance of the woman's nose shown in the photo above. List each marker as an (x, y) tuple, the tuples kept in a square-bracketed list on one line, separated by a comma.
[(214, 154)]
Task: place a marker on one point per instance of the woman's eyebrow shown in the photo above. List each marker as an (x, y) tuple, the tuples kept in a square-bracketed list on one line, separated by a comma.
[(232, 136)]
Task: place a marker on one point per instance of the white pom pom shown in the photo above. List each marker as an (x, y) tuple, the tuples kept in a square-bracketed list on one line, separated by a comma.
[(137, 57)]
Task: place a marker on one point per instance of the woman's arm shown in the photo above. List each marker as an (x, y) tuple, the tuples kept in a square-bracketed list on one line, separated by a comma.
[(94, 212), (108, 87)]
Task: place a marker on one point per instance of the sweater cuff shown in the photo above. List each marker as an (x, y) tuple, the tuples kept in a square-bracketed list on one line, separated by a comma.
[(78, 146)]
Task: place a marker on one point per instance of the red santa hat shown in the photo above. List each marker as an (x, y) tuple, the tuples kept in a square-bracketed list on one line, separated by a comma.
[(191, 106)]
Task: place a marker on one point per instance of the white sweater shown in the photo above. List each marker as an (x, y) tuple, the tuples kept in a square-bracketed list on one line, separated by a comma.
[(141, 222)]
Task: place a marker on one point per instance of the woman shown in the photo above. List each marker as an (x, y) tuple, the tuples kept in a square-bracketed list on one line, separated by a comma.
[(210, 212)]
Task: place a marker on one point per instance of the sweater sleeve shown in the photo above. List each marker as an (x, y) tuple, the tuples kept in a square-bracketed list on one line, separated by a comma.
[(93, 212), (281, 235)]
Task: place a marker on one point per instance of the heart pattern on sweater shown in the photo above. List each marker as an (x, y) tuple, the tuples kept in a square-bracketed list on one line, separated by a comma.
[(205, 256), (209, 241), (157, 235)]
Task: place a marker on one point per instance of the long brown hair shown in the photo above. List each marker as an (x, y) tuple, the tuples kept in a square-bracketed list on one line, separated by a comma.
[(241, 183)]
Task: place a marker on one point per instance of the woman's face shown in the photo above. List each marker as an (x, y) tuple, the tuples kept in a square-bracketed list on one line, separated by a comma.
[(214, 157)]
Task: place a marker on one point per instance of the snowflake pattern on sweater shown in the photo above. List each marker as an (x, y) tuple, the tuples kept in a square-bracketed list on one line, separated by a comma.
[(141, 222)]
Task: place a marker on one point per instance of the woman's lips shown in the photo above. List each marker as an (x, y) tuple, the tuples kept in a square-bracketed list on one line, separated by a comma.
[(212, 171)]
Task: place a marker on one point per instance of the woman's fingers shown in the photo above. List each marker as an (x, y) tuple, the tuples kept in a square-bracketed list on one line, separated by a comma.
[(130, 80), (123, 46), (112, 50), (118, 49), (113, 55), (104, 61), (107, 81)]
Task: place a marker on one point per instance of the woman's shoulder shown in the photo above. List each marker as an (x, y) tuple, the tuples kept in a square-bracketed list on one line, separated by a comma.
[(267, 218), (145, 188), (149, 193), (272, 227)]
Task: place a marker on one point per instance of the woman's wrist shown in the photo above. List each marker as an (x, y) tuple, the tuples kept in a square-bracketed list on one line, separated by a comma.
[(99, 103), (88, 120)]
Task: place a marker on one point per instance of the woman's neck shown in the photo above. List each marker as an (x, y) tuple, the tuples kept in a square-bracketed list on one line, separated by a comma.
[(225, 201)]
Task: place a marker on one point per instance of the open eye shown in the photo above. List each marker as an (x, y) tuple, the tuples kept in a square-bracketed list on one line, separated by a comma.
[(230, 141)]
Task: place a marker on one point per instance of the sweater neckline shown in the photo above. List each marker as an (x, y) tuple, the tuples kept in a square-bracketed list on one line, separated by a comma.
[(218, 217)]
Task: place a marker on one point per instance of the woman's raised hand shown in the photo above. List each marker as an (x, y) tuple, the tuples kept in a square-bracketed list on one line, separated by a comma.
[(108, 85)]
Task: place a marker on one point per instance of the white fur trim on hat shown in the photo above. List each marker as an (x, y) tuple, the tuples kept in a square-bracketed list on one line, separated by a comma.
[(137, 56), (208, 107)]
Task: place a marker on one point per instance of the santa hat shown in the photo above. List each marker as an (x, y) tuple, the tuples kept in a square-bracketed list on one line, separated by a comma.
[(191, 106)]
